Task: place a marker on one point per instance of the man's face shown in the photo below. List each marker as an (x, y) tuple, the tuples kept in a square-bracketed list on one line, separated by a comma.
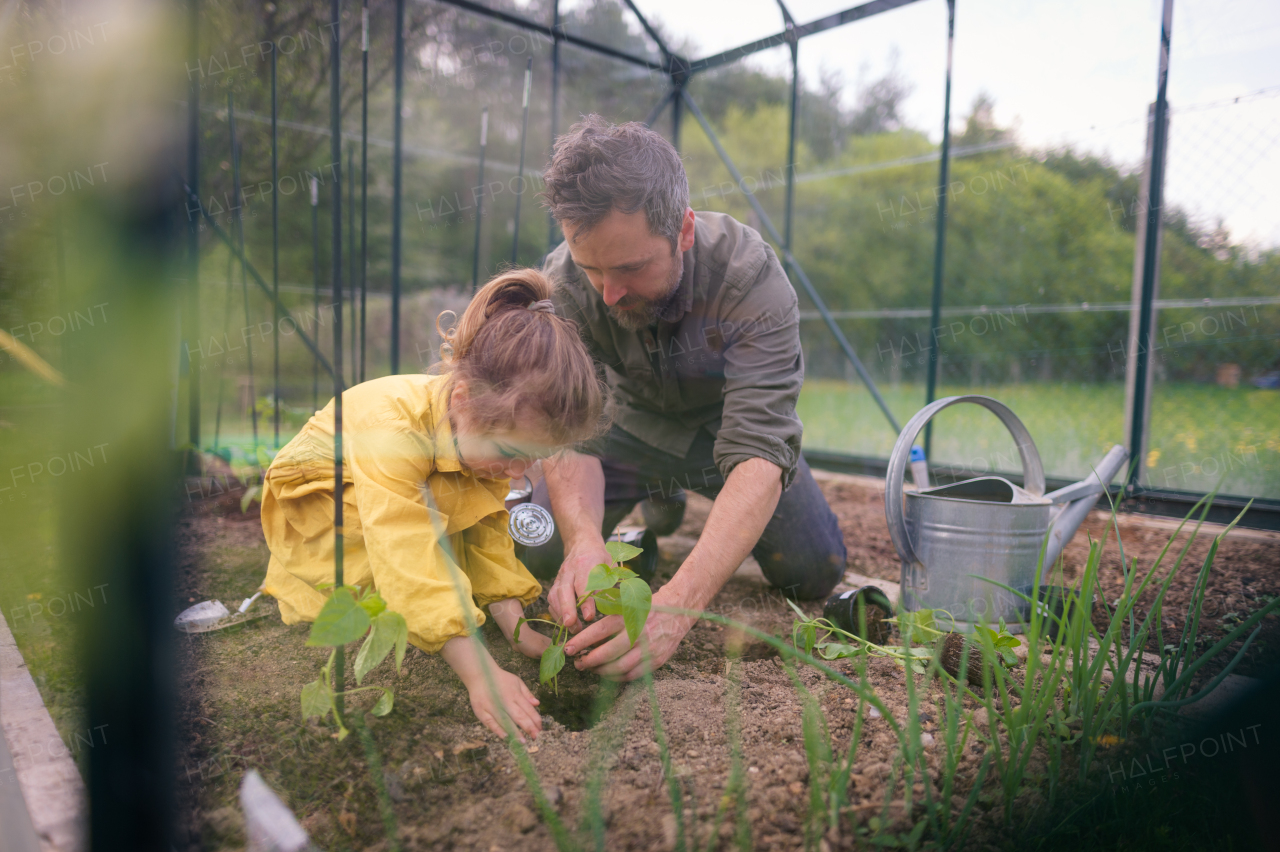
[(634, 271)]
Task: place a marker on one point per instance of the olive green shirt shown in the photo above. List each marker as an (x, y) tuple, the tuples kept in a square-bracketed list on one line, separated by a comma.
[(725, 356)]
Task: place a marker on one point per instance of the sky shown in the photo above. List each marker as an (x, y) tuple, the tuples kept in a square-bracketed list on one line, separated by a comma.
[(1078, 72)]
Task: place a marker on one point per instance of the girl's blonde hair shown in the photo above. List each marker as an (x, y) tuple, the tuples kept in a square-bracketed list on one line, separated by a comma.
[(521, 361)]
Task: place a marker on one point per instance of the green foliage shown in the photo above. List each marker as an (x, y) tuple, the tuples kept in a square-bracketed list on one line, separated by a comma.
[(615, 590), (1001, 640), (346, 616)]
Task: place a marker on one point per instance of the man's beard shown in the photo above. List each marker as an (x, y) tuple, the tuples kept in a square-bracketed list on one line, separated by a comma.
[(633, 313)]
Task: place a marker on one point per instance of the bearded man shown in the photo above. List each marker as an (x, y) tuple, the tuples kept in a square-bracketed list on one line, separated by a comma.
[(697, 329)]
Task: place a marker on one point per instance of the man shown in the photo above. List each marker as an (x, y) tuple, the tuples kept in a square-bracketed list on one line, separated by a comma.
[(697, 328)]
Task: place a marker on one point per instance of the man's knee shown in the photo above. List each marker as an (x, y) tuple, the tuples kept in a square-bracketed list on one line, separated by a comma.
[(808, 575)]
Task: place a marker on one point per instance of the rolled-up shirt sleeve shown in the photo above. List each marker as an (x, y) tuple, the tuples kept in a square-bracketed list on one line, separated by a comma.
[(764, 371)]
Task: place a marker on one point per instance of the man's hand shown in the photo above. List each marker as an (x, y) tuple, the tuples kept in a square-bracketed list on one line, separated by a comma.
[(615, 657), (737, 518), (575, 484), (571, 582)]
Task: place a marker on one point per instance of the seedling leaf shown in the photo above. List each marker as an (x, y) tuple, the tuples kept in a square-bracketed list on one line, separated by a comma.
[(388, 628), (317, 698), (609, 602), (621, 551), (636, 601), (799, 611), (340, 621), (373, 604), (552, 663), (598, 579), (385, 703)]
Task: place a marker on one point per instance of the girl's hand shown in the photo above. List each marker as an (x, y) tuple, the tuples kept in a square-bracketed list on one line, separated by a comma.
[(509, 696), (494, 693)]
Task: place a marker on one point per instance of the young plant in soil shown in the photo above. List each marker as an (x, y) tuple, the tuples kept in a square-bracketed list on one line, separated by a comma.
[(616, 590), (345, 617)]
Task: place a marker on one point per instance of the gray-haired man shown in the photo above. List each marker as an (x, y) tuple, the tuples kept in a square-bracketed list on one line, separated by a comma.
[(697, 327)]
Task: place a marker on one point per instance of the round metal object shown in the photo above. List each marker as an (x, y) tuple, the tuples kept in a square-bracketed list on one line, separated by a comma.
[(531, 525)]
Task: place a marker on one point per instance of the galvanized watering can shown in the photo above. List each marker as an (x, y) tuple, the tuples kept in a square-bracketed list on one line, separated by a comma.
[(951, 536)]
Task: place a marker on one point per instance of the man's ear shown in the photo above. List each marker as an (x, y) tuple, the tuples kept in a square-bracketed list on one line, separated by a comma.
[(686, 231)]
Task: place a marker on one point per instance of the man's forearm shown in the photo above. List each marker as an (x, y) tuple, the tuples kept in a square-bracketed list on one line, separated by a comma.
[(575, 483), (738, 517)]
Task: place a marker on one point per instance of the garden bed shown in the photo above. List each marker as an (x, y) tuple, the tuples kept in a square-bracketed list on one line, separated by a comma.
[(454, 786)]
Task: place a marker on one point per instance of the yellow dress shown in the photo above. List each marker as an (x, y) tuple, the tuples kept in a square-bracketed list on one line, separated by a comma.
[(404, 491)]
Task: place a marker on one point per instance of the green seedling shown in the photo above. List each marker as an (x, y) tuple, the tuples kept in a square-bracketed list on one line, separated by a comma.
[(616, 590), (840, 644), (1001, 640), (344, 618)]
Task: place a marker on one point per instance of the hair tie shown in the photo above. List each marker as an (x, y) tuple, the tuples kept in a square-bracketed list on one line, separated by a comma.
[(543, 306)]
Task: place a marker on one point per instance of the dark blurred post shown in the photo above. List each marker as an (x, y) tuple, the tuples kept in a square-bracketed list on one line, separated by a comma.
[(133, 245), (191, 313)]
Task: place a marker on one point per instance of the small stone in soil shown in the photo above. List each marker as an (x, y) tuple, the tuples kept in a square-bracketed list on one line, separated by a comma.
[(874, 713)]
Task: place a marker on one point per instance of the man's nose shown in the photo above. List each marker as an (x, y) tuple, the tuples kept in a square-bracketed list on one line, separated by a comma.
[(612, 291)]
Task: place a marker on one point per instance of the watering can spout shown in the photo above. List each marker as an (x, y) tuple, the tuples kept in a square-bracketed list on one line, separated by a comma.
[(1077, 500)]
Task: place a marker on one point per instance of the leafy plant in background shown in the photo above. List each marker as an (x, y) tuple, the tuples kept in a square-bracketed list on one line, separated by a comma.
[(344, 618), (251, 473), (616, 590)]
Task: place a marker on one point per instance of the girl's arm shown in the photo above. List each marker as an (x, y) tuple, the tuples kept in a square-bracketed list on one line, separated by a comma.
[(494, 693)]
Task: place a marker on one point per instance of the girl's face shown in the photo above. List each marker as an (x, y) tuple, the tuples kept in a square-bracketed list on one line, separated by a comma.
[(494, 454)]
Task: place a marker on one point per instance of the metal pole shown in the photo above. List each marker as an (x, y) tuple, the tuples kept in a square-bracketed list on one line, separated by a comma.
[(364, 179), (676, 102), (193, 226), (244, 272), (475, 252), (258, 279), (397, 155), (524, 131), (226, 326), (315, 283), (555, 103), (940, 237), (793, 40), (791, 138), (789, 259), (1151, 254), (659, 107), (335, 152), (351, 259), (275, 250)]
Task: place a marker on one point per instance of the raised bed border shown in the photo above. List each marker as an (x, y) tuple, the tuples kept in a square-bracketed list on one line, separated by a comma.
[(46, 797)]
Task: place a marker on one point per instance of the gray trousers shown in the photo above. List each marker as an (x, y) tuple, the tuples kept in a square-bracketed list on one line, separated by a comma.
[(801, 550)]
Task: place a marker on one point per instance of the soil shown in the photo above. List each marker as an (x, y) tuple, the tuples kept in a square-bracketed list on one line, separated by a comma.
[(455, 786)]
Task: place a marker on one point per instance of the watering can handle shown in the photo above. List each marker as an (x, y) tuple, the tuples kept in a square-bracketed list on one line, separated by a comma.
[(1032, 470)]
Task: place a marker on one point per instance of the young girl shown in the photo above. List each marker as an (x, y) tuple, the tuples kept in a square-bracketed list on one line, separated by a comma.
[(430, 456)]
